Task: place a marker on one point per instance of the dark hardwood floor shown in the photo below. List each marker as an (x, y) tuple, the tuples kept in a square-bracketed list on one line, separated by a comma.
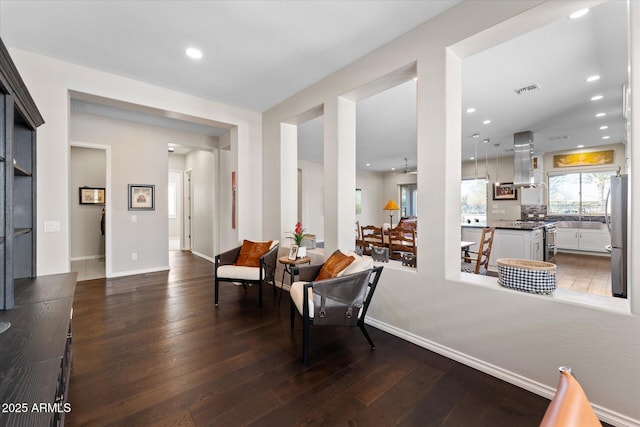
[(153, 350)]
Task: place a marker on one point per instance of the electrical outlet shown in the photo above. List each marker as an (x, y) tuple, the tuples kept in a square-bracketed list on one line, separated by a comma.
[(134, 218), (134, 256)]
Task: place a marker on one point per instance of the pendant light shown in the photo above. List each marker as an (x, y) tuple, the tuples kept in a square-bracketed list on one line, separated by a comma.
[(497, 164), (476, 159), (486, 160)]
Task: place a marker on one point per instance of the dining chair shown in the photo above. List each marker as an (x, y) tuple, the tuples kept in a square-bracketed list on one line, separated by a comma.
[(371, 236), (402, 240), (478, 262)]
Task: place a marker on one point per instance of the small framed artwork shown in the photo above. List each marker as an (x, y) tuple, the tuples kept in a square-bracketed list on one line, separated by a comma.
[(358, 201), (293, 252), (505, 191), (142, 197), (91, 196)]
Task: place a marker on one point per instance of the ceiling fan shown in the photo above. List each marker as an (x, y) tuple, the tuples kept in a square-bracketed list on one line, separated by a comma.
[(407, 171)]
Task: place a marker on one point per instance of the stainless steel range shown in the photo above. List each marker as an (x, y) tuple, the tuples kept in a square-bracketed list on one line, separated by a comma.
[(550, 248)]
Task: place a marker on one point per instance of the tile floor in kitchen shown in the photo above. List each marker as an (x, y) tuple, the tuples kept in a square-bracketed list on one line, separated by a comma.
[(583, 273)]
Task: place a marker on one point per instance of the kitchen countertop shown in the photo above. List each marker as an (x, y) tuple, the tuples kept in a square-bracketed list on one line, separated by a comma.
[(509, 225)]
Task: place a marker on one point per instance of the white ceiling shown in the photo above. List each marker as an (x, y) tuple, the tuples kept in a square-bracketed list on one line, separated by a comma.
[(257, 53), (557, 57)]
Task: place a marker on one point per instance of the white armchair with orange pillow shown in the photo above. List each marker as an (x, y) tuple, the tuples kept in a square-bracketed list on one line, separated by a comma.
[(337, 292), (252, 263)]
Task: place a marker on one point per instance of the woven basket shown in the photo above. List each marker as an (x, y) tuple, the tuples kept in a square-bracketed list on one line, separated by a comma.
[(537, 277)]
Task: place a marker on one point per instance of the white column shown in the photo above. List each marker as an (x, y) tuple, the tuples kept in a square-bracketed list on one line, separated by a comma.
[(288, 180), (339, 174)]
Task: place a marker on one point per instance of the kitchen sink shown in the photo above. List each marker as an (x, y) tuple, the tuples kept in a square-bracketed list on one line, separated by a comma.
[(591, 225)]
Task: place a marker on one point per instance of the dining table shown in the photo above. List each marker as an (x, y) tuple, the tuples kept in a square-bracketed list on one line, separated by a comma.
[(465, 246)]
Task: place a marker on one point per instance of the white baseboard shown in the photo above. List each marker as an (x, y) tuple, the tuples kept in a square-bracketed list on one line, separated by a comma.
[(606, 415), (142, 271), (208, 258), (82, 258)]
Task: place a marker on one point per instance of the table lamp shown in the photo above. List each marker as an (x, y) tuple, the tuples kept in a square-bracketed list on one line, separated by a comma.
[(391, 206)]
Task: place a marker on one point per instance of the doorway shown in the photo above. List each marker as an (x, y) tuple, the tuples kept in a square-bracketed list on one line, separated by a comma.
[(88, 210), (174, 196)]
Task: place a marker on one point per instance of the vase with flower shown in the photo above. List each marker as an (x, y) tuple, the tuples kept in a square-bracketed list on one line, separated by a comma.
[(298, 235)]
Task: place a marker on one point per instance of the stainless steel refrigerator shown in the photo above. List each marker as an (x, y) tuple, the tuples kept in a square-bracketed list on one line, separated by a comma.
[(617, 223)]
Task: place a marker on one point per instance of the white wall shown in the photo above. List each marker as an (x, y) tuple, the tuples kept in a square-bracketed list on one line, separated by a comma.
[(373, 198), (227, 161), (375, 195), (312, 195), (87, 169), (203, 166), (49, 82), (176, 175), (139, 156), (516, 336), (496, 209)]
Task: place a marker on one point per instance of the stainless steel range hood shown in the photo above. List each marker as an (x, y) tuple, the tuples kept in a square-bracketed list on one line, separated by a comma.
[(522, 144)]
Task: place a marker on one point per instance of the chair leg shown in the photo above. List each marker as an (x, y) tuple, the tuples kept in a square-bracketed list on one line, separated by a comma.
[(216, 292), (305, 340), (260, 295), (293, 313), (366, 335)]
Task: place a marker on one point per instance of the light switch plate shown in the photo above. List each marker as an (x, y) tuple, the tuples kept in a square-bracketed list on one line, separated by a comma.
[(51, 226)]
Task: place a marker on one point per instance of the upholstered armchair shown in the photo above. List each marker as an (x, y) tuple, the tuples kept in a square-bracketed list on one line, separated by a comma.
[(342, 300), (252, 263), (570, 406)]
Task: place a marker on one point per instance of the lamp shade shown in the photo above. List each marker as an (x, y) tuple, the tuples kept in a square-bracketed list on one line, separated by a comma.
[(391, 206)]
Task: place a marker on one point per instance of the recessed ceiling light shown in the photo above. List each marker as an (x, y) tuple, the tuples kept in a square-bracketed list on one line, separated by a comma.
[(597, 98), (368, 164), (486, 141), (171, 149), (601, 114), (486, 122), (393, 169), (193, 53), (471, 110), (580, 146), (579, 14), (593, 78), (606, 137), (472, 158), (604, 127)]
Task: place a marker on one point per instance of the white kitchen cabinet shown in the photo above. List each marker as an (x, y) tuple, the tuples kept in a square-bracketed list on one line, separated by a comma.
[(472, 234), (531, 196), (521, 244), (578, 239)]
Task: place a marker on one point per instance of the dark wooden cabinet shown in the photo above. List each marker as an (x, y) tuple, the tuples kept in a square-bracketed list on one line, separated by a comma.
[(19, 118), (35, 353)]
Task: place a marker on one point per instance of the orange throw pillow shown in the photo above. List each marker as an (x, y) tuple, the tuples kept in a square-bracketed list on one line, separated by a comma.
[(334, 265), (250, 253)]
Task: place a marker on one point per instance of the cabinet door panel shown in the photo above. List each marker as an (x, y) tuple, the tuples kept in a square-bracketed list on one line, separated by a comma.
[(567, 238), (594, 240)]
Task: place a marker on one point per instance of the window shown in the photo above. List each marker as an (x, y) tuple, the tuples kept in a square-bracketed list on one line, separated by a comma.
[(408, 200), (582, 193), (473, 194)]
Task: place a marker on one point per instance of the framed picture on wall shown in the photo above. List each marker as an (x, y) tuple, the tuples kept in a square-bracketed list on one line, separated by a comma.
[(505, 191), (91, 196), (142, 197), (358, 201)]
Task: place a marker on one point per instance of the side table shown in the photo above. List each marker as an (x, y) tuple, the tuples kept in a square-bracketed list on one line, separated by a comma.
[(287, 263)]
